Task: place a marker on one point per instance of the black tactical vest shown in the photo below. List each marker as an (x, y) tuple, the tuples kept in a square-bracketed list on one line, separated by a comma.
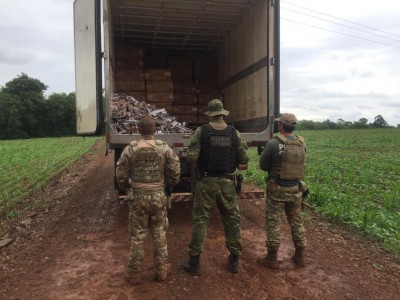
[(218, 152)]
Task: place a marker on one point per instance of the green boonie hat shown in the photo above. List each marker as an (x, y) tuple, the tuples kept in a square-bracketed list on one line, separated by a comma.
[(288, 119), (215, 108)]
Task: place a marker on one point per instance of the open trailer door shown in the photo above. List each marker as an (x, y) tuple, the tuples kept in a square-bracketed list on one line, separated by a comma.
[(88, 70)]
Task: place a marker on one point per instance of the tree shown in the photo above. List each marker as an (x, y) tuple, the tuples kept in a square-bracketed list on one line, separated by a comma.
[(23, 100), (379, 122), (60, 112), (361, 124)]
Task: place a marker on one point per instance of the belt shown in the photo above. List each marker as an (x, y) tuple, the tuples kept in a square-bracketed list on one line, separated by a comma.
[(226, 176)]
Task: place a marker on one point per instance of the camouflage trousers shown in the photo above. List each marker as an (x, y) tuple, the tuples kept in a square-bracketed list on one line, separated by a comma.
[(284, 199), (148, 211), (208, 191)]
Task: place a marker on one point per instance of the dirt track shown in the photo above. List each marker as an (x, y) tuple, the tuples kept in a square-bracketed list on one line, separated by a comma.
[(77, 246)]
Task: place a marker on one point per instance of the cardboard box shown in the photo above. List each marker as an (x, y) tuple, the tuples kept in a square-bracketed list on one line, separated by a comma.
[(128, 51), (131, 85), (186, 99), (159, 86), (180, 62), (157, 74), (128, 64), (181, 74), (205, 98), (157, 97), (184, 109), (184, 87), (203, 119), (133, 74)]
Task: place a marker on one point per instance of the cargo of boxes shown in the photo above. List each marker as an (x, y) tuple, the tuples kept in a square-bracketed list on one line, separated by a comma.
[(182, 84)]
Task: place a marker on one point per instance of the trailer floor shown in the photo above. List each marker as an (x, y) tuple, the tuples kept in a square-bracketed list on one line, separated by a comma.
[(76, 246)]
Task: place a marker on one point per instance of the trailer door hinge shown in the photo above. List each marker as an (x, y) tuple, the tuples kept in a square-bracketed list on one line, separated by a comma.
[(272, 3), (272, 61)]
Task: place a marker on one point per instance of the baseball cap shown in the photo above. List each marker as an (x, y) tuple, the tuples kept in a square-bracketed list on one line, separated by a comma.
[(288, 119)]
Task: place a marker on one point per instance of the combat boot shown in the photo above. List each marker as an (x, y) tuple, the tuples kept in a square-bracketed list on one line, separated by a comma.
[(233, 263), (270, 260), (162, 275), (192, 266), (298, 258)]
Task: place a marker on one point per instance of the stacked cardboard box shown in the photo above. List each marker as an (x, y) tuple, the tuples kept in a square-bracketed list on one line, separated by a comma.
[(206, 82), (159, 88), (129, 76), (182, 84), (185, 96)]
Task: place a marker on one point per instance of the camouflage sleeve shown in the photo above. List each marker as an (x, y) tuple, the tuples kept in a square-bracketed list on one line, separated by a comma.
[(172, 167), (243, 158), (194, 146), (122, 170)]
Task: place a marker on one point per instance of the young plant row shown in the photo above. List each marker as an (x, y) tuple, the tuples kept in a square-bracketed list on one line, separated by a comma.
[(27, 165)]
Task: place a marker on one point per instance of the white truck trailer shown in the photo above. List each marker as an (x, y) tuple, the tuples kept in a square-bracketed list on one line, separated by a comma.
[(178, 55)]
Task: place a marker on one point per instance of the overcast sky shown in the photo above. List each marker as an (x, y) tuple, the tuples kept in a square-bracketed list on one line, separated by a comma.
[(339, 59)]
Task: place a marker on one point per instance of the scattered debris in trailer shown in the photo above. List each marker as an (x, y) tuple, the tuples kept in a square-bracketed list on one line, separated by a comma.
[(127, 111)]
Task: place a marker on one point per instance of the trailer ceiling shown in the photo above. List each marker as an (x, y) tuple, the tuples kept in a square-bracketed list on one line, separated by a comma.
[(176, 24)]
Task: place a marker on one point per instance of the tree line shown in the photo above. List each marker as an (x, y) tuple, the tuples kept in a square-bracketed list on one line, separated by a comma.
[(25, 112), (362, 123)]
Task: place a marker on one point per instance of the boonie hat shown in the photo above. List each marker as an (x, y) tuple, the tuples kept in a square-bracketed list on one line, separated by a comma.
[(288, 119), (215, 108)]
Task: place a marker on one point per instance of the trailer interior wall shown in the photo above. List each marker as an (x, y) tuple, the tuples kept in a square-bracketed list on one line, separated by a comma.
[(246, 45), (236, 31)]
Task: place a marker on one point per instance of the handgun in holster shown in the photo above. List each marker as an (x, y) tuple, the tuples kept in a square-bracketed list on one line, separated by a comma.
[(238, 182)]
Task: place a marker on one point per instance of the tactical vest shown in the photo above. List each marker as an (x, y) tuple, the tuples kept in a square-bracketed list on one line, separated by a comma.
[(218, 152), (147, 163), (293, 159)]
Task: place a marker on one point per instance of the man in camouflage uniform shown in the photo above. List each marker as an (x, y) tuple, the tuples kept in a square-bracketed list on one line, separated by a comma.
[(284, 189), (144, 169), (217, 150)]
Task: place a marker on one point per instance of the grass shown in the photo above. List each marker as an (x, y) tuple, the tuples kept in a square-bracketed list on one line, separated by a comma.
[(27, 165), (354, 178)]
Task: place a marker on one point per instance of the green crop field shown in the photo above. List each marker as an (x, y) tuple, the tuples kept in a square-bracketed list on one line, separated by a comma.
[(354, 178), (27, 165)]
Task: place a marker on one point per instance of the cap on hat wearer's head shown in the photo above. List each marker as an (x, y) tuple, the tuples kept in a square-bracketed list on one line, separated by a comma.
[(215, 108), (288, 119), (147, 126)]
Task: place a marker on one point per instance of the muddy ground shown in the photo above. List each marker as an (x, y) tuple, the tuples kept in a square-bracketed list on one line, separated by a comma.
[(75, 245)]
